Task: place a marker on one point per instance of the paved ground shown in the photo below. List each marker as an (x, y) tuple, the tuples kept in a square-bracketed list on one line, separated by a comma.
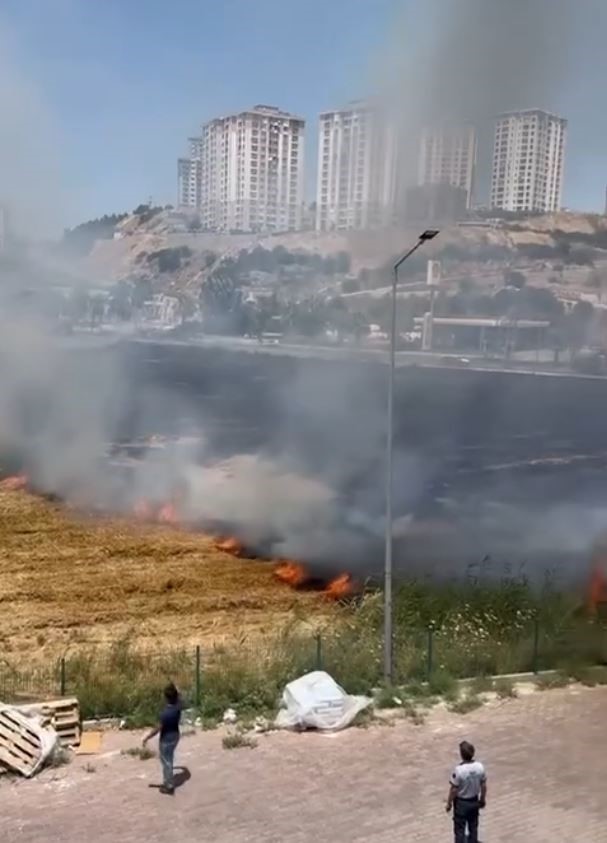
[(546, 755)]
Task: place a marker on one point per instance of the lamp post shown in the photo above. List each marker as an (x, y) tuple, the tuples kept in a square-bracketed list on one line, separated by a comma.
[(430, 234)]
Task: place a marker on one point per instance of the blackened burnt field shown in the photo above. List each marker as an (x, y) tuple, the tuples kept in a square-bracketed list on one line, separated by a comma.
[(495, 472)]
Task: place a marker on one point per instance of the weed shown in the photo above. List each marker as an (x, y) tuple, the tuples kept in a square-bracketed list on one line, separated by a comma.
[(414, 714), (388, 697), (481, 685), (504, 688), (364, 718), (90, 768), (600, 675), (441, 683), (238, 740), (143, 753), (549, 681), (468, 703), (417, 690)]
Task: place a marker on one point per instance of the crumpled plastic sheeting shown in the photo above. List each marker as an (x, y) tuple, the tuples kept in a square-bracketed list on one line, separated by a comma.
[(316, 701)]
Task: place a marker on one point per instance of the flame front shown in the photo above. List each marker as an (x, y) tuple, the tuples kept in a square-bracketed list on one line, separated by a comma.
[(15, 483), (341, 587), (167, 514), (292, 573), (229, 544), (597, 592)]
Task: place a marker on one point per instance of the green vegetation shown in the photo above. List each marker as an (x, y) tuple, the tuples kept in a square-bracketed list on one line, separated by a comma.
[(442, 633)]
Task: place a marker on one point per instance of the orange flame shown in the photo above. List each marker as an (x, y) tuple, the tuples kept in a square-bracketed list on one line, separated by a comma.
[(167, 514), (341, 587), (229, 544), (16, 483), (597, 593), (292, 573)]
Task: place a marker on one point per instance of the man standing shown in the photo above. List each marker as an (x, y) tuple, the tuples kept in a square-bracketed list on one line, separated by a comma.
[(168, 727), (467, 794)]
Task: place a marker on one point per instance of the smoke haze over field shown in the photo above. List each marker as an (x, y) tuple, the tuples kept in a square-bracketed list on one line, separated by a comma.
[(476, 58), (312, 482)]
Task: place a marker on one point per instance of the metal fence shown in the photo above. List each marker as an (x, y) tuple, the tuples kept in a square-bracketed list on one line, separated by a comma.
[(122, 681)]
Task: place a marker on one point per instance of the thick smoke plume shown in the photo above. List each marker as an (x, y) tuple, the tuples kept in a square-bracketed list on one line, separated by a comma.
[(310, 485), (462, 62)]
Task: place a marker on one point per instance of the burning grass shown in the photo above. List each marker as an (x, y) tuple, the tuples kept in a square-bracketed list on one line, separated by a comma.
[(127, 602), (68, 582)]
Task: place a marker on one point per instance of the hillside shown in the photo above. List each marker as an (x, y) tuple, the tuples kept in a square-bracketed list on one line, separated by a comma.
[(561, 249)]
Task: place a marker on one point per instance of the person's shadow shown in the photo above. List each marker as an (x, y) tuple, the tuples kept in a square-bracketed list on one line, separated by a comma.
[(181, 776)]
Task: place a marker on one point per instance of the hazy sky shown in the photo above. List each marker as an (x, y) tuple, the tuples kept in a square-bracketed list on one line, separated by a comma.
[(97, 97)]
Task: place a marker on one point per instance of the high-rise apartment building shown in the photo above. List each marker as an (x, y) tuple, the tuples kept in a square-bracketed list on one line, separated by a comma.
[(252, 171), (188, 176), (357, 161), (528, 161), (447, 155)]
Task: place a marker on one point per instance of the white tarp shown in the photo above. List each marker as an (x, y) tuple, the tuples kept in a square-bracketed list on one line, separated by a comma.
[(315, 701), (45, 734)]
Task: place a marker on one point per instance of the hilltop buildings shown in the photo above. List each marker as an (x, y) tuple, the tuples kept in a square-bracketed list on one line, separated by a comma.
[(245, 172)]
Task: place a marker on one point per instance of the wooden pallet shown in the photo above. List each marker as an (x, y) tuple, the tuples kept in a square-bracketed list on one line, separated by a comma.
[(20, 746), (63, 715)]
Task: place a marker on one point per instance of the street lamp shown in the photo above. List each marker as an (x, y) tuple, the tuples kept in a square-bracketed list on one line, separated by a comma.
[(425, 236)]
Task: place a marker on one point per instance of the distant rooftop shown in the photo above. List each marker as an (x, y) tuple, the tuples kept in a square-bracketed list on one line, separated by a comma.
[(261, 110), (523, 111)]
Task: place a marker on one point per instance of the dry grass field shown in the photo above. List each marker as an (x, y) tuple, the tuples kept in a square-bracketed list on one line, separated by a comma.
[(68, 582)]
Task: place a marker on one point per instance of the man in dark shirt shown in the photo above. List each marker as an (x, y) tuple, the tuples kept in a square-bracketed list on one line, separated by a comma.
[(168, 729)]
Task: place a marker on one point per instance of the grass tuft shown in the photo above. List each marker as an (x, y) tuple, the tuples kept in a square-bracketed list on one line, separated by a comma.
[(504, 688), (551, 681), (143, 753), (238, 740)]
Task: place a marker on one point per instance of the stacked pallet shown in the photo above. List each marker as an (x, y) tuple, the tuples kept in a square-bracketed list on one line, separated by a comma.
[(63, 715), (21, 747)]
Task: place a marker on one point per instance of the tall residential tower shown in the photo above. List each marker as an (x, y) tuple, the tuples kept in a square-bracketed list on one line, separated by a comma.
[(528, 159), (357, 160), (447, 155), (252, 171), (188, 176)]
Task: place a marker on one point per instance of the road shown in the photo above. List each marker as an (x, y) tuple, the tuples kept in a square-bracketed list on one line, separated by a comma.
[(545, 753)]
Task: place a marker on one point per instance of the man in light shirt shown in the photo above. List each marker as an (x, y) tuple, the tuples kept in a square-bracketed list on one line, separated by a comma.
[(467, 794)]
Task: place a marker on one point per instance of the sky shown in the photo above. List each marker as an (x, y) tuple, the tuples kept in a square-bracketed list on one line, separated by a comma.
[(98, 97)]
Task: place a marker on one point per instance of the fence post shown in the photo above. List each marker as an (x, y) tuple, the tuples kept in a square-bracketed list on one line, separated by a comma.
[(198, 678), (62, 676), (430, 653), (318, 651), (536, 643)]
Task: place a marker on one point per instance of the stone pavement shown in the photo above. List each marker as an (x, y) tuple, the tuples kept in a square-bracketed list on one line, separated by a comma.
[(546, 755)]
